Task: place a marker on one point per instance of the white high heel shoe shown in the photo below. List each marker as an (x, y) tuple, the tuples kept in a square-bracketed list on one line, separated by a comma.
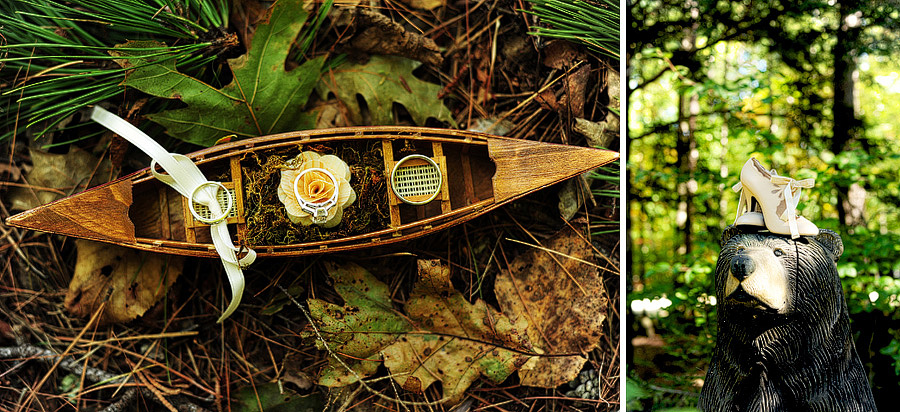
[(770, 200)]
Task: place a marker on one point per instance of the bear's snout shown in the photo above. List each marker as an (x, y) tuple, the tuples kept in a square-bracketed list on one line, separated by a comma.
[(754, 271), (742, 266)]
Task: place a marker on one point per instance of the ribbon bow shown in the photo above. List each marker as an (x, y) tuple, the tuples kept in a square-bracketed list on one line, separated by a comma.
[(186, 178), (791, 195)]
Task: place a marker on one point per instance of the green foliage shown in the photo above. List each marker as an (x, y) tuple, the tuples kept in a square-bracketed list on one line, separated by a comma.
[(641, 396), (893, 350), (55, 53), (273, 397), (609, 174), (593, 24), (713, 86), (634, 392), (383, 81), (871, 254), (263, 98)]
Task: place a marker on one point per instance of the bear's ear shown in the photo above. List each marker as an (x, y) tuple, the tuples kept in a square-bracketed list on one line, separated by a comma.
[(832, 241), (727, 234)]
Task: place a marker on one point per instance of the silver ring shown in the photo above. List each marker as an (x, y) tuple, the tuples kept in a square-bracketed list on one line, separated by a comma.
[(217, 219), (318, 210)]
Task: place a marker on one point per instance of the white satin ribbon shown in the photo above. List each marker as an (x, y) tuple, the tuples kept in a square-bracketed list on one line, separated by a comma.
[(792, 199), (185, 177)]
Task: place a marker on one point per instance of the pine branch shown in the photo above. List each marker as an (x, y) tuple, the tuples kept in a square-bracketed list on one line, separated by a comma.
[(594, 24), (55, 61)]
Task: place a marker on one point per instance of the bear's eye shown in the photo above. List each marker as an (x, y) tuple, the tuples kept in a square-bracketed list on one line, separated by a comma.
[(779, 252)]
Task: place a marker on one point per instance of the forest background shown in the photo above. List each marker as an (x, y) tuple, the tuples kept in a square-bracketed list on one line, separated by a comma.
[(810, 89)]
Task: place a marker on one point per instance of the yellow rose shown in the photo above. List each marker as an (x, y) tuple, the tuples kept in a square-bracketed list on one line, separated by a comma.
[(316, 187)]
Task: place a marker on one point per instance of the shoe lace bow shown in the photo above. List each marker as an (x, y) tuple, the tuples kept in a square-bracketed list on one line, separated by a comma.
[(791, 193)]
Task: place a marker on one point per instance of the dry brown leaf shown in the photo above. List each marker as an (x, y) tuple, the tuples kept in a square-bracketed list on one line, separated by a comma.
[(598, 134), (377, 34), (292, 371), (331, 113), (441, 337), (613, 88), (70, 172), (564, 302), (425, 4), (575, 85), (132, 281), (14, 171), (573, 194), (561, 54)]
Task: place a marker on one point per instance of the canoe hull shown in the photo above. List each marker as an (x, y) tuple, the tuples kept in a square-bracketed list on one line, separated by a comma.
[(485, 171)]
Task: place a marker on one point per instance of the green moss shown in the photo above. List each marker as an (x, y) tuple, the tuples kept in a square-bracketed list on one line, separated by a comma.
[(267, 221)]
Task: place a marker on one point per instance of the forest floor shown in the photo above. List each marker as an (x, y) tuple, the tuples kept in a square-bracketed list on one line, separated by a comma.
[(174, 356)]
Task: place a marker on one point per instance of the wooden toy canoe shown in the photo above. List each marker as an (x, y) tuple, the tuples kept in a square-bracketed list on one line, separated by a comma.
[(478, 173)]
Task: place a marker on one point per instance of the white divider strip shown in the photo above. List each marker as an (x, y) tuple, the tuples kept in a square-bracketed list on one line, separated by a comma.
[(185, 177)]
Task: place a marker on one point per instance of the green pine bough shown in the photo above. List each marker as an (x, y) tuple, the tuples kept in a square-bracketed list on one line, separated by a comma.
[(592, 23), (54, 57)]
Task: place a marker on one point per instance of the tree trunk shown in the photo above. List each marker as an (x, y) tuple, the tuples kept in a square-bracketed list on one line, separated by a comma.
[(686, 145), (847, 126), (686, 149)]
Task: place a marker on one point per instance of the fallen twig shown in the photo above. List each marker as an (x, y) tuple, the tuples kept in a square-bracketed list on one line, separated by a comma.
[(72, 365)]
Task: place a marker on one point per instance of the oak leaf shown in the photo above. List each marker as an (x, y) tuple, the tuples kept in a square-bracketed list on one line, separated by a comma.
[(263, 98), (358, 330), (564, 301), (383, 81), (442, 337), (456, 342), (70, 172)]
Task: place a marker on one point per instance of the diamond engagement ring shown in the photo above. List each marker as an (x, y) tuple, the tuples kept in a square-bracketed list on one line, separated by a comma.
[(318, 210)]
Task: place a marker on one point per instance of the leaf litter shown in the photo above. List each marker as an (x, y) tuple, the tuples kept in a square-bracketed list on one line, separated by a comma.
[(440, 338), (131, 282), (455, 341), (549, 320), (359, 329), (383, 81), (375, 33), (53, 176)]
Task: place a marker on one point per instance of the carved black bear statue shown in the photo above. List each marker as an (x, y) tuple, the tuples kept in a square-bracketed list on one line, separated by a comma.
[(784, 339)]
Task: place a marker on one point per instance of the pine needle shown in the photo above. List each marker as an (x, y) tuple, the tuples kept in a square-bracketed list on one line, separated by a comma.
[(594, 24)]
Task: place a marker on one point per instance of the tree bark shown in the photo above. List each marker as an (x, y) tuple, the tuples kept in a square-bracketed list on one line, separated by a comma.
[(686, 149), (847, 128), (686, 143)]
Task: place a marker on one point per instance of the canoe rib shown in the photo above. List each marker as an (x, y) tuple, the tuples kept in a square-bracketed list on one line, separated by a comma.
[(99, 214)]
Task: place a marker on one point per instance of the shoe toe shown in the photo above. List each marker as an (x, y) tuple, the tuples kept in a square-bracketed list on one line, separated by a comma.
[(806, 228)]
